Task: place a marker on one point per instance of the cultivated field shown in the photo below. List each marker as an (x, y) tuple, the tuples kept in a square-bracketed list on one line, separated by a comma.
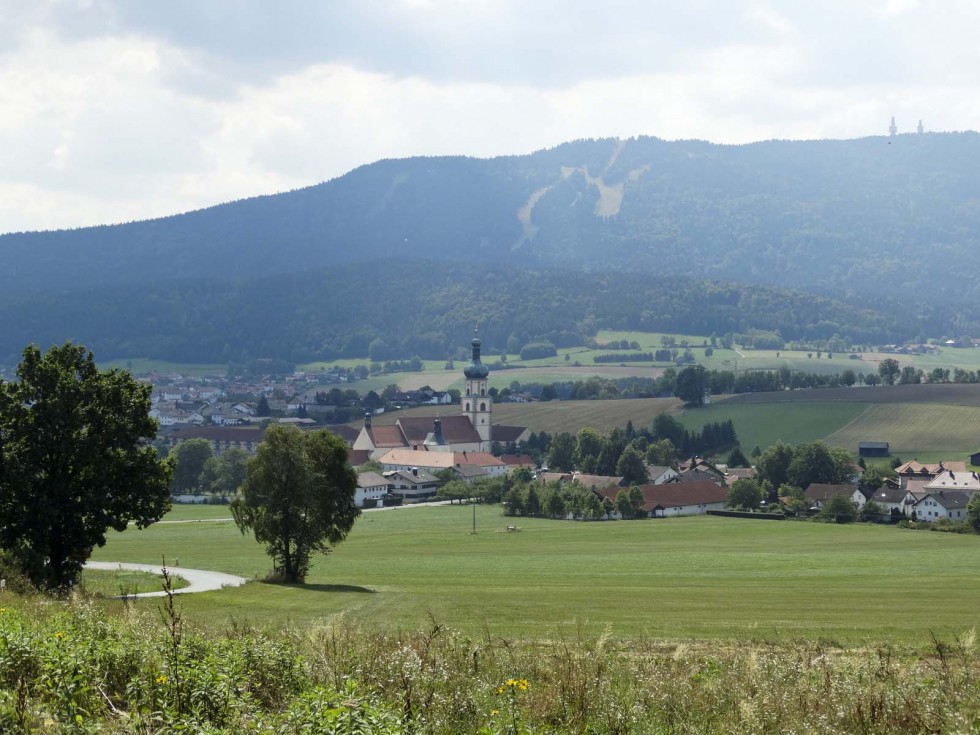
[(656, 579), (557, 416)]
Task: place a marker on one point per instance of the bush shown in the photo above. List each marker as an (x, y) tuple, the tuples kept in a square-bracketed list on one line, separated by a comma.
[(538, 350)]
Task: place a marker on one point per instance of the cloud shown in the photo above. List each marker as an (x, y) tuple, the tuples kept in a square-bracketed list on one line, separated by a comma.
[(119, 109)]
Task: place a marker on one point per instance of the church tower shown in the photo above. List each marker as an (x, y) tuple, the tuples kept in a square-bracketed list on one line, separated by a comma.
[(477, 405)]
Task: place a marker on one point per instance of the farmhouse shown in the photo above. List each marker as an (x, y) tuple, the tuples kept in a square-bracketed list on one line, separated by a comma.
[(676, 499), (472, 431)]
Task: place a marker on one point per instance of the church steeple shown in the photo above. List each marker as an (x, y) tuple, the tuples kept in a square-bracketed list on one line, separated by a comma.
[(477, 405)]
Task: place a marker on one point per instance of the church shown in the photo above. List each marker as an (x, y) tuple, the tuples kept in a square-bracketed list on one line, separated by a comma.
[(472, 430)]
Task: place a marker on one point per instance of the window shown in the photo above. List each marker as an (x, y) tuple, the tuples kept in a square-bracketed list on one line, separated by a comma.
[(483, 407)]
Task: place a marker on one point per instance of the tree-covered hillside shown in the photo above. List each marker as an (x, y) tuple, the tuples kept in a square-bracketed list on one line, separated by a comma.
[(419, 308)]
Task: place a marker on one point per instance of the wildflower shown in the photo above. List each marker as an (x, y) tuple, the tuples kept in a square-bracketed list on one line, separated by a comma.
[(522, 684), (500, 690), (494, 712), (161, 679), (59, 635)]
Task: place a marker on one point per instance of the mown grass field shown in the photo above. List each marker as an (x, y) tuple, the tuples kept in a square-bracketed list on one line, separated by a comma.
[(683, 578)]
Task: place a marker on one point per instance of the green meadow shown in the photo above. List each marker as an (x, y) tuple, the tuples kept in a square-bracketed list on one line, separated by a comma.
[(687, 578)]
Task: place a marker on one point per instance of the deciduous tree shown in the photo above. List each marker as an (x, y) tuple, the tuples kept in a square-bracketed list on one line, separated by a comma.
[(298, 497), (632, 467), (75, 461), (190, 457)]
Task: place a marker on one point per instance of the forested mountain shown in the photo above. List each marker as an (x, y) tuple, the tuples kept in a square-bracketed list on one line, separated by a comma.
[(886, 223)]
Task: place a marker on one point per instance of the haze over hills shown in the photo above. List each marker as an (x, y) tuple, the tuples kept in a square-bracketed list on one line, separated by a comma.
[(874, 223)]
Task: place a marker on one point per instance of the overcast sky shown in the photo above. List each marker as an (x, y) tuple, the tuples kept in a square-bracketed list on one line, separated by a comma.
[(114, 110)]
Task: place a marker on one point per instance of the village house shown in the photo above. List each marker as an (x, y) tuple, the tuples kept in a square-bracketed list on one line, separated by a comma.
[(659, 474), (942, 504), (412, 485), (371, 490), (818, 493)]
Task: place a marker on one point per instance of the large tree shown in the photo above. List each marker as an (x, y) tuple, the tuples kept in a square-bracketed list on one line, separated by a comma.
[(561, 455), (692, 384), (75, 461), (632, 467), (588, 447), (298, 497), (190, 457)]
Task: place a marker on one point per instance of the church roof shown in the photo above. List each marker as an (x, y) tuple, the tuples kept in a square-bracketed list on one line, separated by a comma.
[(455, 429), (505, 434), (386, 436)]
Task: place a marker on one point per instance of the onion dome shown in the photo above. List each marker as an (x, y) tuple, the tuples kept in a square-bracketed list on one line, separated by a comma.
[(476, 370)]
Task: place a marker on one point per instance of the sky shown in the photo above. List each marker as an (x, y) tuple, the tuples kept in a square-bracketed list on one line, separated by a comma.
[(117, 110)]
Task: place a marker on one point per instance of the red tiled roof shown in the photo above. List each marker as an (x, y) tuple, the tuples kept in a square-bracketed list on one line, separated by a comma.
[(456, 429), (481, 459), (358, 457), (347, 433), (598, 481), (386, 436), (517, 460)]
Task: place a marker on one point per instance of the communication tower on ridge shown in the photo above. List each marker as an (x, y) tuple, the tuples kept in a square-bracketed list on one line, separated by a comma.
[(893, 128), (919, 129)]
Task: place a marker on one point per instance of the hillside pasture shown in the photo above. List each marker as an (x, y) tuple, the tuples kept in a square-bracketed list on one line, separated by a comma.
[(918, 430), (683, 578), (960, 394), (763, 424)]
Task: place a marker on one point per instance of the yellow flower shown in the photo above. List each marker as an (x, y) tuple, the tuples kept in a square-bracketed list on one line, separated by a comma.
[(500, 690), (494, 712), (522, 684), (161, 679), (59, 635)]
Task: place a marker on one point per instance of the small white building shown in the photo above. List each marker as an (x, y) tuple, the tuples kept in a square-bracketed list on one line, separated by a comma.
[(371, 490)]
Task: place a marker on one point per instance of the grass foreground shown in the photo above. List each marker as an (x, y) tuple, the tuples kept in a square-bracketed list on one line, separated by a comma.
[(73, 668)]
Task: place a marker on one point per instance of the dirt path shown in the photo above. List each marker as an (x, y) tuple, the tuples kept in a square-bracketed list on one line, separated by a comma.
[(199, 580)]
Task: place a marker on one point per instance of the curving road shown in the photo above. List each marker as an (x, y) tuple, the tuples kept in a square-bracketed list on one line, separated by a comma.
[(199, 580)]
